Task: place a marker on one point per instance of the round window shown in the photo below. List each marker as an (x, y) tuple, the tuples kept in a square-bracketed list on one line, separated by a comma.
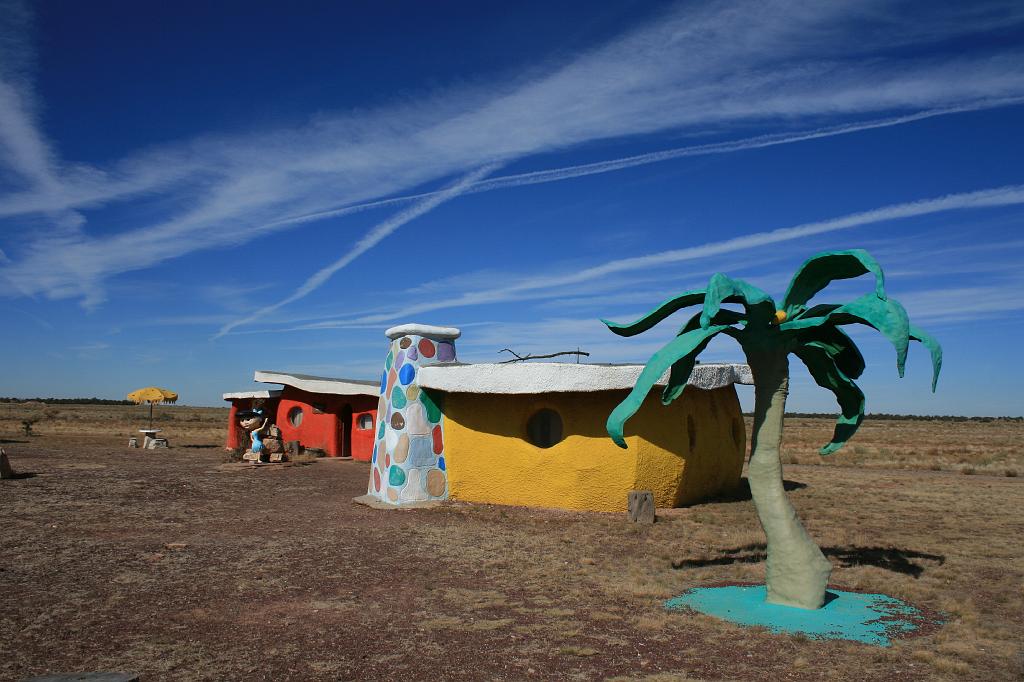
[(295, 416), (365, 422), (544, 428)]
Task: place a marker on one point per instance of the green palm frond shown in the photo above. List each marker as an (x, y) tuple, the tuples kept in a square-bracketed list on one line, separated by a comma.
[(887, 316), (759, 306), (687, 345), (933, 347), (849, 396), (839, 346), (663, 310), (819, 310), (723, 316), (681, 369), (821, 269), (812, 333)]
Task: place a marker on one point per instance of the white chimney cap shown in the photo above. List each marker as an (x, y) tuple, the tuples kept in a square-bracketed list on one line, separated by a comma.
[(427, 330)]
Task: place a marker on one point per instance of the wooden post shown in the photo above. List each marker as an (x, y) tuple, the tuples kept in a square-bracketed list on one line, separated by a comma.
[(641, 506), (5, 466)]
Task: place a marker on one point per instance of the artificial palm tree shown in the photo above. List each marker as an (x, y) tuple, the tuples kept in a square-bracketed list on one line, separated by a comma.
[(797, 571)]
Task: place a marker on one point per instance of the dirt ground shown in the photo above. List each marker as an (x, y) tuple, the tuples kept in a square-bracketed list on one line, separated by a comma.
[(174, 565)]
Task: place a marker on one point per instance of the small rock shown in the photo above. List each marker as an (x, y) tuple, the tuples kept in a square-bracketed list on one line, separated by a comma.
[(176, 545)]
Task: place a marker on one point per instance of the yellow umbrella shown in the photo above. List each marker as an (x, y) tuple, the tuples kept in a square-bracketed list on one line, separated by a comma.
[(151, 395)]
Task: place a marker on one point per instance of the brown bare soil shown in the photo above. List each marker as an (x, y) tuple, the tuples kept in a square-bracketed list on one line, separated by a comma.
[(176, 565)]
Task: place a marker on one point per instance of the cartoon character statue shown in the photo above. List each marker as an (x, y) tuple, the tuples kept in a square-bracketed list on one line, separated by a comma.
[(266, 437), (254, 422)]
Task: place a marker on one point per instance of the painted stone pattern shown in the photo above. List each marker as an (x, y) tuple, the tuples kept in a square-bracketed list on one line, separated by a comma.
[(408, 463)]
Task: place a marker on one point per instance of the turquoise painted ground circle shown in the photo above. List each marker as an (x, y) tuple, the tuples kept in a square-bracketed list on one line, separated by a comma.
[(869, 618)]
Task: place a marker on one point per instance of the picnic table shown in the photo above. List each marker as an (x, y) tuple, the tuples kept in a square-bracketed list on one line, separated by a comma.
[(149, 437)]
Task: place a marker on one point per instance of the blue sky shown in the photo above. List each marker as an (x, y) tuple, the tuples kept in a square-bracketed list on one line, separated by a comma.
[(192, 191)]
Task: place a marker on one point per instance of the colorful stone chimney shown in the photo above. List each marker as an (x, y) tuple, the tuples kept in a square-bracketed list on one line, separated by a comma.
[(408, 464)]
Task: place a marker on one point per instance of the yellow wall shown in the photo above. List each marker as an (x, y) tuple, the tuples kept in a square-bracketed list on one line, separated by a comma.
[(488, 458)]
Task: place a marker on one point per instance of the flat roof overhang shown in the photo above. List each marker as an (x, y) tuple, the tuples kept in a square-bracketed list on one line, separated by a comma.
[(558, 377), (314, 384)]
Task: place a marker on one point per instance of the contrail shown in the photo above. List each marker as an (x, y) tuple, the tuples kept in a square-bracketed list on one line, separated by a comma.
[(1000, 196), (758, 142), (369, 240), (581, 170)]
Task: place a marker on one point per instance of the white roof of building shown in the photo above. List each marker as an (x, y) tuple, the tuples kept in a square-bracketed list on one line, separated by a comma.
[(312, 384), (558, 377), (240, 395)]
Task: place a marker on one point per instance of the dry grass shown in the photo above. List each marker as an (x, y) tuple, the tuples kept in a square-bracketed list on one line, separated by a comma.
[(993, 448), (182, 424), (275, 576)]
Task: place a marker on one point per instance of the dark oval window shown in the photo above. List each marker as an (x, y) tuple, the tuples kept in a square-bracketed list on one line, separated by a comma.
[(544, 428), (365, 422), (295, 416)]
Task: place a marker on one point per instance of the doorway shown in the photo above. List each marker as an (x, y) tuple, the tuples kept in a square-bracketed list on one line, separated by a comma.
[(345, 431)]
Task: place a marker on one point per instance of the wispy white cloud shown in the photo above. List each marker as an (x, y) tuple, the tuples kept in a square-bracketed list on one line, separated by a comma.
[(232, 296), (547, 286), (91, 347), (368, 241), (28, 156), (932, 308), (691, 69), (623, 163), (45, 324), (959, 304)]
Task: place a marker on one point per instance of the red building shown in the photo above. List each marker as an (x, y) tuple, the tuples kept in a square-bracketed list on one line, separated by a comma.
[(337, 416)]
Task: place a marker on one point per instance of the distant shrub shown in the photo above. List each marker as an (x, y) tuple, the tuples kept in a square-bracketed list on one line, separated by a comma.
[(968, 470), (67, 401), (902, 417), (1012, 473), (26, 425)]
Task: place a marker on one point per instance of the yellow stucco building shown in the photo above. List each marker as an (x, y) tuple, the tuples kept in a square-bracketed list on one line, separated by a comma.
[(534, 434)]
